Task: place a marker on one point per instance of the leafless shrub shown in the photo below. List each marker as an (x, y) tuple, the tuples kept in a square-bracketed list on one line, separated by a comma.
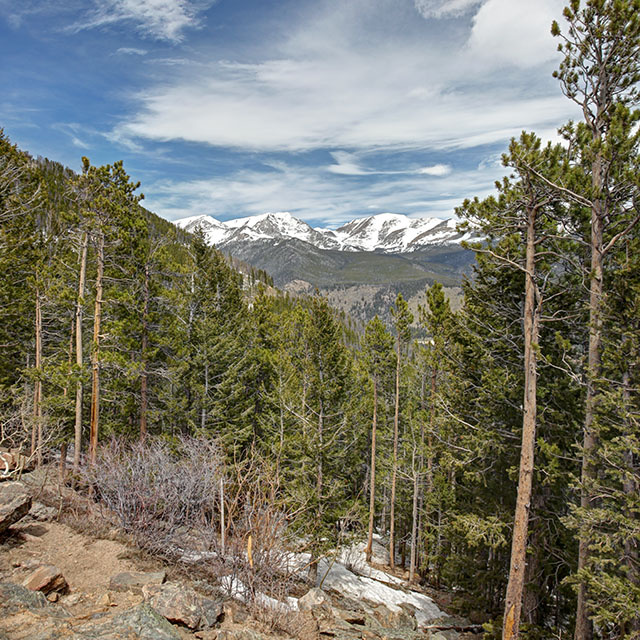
[(180, 501), (159, 492)]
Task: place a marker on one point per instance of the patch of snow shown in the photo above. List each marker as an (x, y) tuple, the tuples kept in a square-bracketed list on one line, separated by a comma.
[(337, 576), (237, 589), (350, 575)]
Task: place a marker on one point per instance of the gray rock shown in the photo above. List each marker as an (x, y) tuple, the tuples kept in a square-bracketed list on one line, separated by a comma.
[(445, 635), (134, 581), (390, 619), (15, 503), (43, 513), (234, 612), (140, 623), (239, 634), (15, 596), (313, 598), (180, 604)]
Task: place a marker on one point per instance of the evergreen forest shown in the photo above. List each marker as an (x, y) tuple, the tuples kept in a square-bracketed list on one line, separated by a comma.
[(496, 450)]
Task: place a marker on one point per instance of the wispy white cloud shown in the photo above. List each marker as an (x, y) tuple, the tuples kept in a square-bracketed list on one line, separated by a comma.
[(74, 131), (325, 85), (156, 19), (346, 164), (313, 196), (438, 170), (131, 51), (444, 8)]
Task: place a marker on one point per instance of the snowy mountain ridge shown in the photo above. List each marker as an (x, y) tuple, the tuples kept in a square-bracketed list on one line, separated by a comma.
[(384, 232)]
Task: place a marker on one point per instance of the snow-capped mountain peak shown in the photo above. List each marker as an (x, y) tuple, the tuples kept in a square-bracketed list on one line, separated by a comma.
[(386, 232)]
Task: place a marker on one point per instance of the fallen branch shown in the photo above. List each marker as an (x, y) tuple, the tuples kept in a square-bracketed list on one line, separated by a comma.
[(472, 628)]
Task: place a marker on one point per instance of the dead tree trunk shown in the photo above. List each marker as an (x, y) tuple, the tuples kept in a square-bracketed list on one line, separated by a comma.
[(414, 524), (516, 584), (77, 443), (95, 355), (372, 482), (36, 430), (394, 472), (144, 400)]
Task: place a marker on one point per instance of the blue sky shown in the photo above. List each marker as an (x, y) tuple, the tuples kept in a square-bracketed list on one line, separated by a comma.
[(327, 109)]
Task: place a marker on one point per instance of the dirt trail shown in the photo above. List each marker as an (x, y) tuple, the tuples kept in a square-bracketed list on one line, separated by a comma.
[(86, 564)]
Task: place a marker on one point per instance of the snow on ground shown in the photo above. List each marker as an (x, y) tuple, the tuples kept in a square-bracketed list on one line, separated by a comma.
[(350, 575), (338, 577)]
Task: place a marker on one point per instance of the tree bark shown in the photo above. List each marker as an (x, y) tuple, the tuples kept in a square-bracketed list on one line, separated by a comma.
[(372, 482), (144, 400), (95, 355), (584, 626), (515, 586), (429, 484), (414, 527), (630, 488), (36, 430), (394, 473), (77, 443)]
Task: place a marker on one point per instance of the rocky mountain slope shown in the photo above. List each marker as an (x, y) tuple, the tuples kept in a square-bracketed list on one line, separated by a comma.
[(360, 266), (384, 232), (57, 582)]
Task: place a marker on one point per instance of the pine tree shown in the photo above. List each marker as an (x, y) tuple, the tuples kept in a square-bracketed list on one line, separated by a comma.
[(377, 352), (600, 72), (402, 320)]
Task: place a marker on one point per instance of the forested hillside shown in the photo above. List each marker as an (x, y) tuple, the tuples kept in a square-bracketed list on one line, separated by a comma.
[(499, 458)]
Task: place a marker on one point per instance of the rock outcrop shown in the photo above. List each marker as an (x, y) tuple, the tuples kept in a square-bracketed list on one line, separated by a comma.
[(46, 579), (180, 604), (135, 581), (15, 503)]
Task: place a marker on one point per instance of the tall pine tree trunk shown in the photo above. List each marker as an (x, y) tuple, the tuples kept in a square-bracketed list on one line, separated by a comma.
[(313, 563), (77, 444), (429, 487), (144, 400), (394, 472), (516, 584), (36, 430), (584, 626), (372, 483), (95, 355), (414, 524), (630, 488)]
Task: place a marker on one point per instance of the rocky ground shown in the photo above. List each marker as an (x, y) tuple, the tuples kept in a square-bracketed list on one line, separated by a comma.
[(57, 582)]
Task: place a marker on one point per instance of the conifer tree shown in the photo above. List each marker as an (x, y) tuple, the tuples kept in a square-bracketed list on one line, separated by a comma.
[(600, 72), (378, 352), (402, 320)]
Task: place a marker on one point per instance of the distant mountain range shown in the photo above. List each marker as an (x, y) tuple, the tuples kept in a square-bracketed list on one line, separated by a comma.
[(360, 266), (384, 232)]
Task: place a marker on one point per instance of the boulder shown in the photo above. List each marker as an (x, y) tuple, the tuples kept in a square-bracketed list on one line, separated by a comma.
[(394, 618), (12, 462), (234, 612), (180, 604), (15, 596), (43, 513), (445, 635), (47, 579), (139, 623), (313, 598), (15, 503), (238, 634), (134, 581)]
